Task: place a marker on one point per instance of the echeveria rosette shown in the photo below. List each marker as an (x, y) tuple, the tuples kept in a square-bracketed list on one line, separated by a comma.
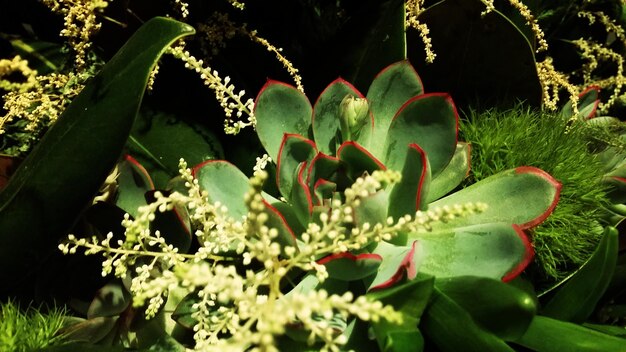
[(414, 133)]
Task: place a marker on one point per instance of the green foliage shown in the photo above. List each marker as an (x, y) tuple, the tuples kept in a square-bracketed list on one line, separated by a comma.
[(25, 330), (510, 138), (36, 207)]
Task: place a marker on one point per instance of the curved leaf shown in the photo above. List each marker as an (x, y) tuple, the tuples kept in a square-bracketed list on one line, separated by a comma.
[(276, 220), (173, 225), (110, 301), (68, 166), (428, 120), (279, 109), (500, 308), (326, 115), (294, 149), (452, 175), (346, 266), (524, 196), (409, 195), (577, 299), (588, 102), (452, 328), (358, 160), (399, 263), (410, 299), (497, 250), (212, 177), (547, 335), (133, 183), (389, 90)]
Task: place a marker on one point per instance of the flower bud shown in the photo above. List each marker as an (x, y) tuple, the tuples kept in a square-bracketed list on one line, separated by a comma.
[(353, 113)]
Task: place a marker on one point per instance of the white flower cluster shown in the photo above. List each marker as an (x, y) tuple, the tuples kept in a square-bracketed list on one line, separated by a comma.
[(239, 274)]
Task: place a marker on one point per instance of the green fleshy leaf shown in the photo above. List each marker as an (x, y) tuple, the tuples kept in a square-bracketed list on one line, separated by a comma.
[(452, 328), (280, 109), (503, 193), (110, 301), (428, 120), (452, 175), (68, 166), (358, 160), (496, 250), (547, 335), (399, 263), (500, 308), (350, 267), (294, 149), (326, 115), (388, 92), (301, 197), (324, 168), (159, 140), (289, 215), (577, 299), (410, 299), (183, 314), (133, 183), (275, 220), (371, 209), (212, 175), (409, 195)]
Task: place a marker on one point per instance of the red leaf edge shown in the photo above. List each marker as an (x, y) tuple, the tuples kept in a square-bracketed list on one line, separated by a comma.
[(318, 183), (596, 103), (305, 186), (280, 151), (362, 149), (446, 97), (317, 157), (557, 185), (401, 62), (420, 184), (348, 255), (271, 82), (528, 257), (281, 217), (195, 169), (406, 266), (140, 167)]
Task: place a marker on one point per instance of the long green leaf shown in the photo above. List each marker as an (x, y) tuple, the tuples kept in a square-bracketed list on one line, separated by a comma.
[(452, 328), (65, 170), (577, 299), (546, 334), (501, 308)]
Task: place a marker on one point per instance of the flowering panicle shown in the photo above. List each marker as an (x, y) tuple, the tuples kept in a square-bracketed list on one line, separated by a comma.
[(231, 102), (81, 24), (413, 9), (241, 301), (221, 28)]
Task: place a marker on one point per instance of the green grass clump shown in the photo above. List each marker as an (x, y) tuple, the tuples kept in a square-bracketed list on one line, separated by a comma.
[(30, 329), (507, 139)]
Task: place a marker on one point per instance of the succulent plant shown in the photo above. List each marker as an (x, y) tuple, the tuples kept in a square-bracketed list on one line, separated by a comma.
[(321, 150)]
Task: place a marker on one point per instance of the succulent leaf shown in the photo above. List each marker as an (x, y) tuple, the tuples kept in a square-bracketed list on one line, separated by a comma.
[(495, 250), (301, 196), (133, 183), (429, 120), (276, 220), (350, 267), (399, 263), (391, 88), (452, 175), (358, 160), (409, 195), (212, 175), (174, 225), (524, 196), (294, 149), (327, 168), (281, 108)]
